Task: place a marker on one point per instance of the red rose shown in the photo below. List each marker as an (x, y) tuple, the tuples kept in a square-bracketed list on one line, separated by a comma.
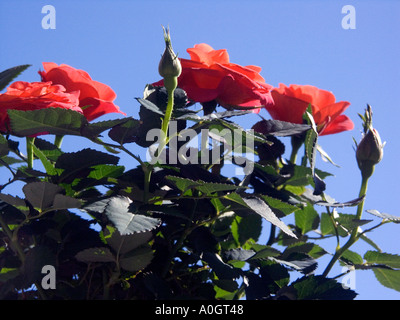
[(33, 96), (291, 103), (210, 76), (95, 99)]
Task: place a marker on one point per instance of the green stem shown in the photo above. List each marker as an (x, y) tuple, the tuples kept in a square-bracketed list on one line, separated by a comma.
[(271, 238), (147, 177), (355, 233), (188, 229), (13, 237), (58, 141), (164, 128), (297, 142), (168, 113), (29, 151)]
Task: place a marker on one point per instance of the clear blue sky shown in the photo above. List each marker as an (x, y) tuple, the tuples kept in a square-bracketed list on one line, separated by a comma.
[(295, 42)]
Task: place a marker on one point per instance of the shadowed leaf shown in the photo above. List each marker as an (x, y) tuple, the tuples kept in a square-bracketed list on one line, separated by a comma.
[(10, 74)]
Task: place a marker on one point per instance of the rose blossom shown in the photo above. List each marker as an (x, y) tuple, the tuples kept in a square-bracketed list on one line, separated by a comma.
[(95, 99), (291, 103), (27, 96), (209, 76)]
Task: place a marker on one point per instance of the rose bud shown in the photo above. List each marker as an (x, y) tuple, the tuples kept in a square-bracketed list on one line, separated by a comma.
[(169, 67), (369, 152)]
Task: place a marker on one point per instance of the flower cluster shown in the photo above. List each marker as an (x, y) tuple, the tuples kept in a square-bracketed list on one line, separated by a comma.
[(209, 76)]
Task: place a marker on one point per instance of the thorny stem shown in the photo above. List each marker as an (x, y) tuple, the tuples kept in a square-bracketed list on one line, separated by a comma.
[(179, 242), (355, 233), (297, 142), (29, 151), (164, 129), (14, 239), (58, 141)]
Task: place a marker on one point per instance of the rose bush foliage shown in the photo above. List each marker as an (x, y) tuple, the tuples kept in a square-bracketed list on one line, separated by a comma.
[(175, 230)]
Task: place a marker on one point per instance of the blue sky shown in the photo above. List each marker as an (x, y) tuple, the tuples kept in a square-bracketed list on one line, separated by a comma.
[(295, 42)]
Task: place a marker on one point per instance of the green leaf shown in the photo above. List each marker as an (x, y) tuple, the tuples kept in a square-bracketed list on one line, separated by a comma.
[(92, 130), (226, 285), (376, 257), (35, 259), (4, 149), (106, 171), (222, 270), (184, 184), (238, 254), (117, 210), (125, 132), (8, 274), (345, 223), (150, 106), (95, 255), (279, 207), (236, 198), (311, 249), (10, 74), (299, 262), (124, 244), (311, 143), (349, 223), (245, 228), (41, 194), (15, 201), (210, 187), (8, 161), (215, 115), (46, 121), (321, 288), (326, 224), (137, 259), (261, 208), (388, 278), (351, 257), (307, 219), (49, 150), (335, 204), (258, 206), (237, 131), (265, 252), (325, 157), (76, 163), (385, 216), (62, 202), (298, 175), (47, 164), (370, 242), (280, 128)]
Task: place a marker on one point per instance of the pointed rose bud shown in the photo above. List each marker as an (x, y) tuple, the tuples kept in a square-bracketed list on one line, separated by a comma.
[(370, 149), (170, 67)]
